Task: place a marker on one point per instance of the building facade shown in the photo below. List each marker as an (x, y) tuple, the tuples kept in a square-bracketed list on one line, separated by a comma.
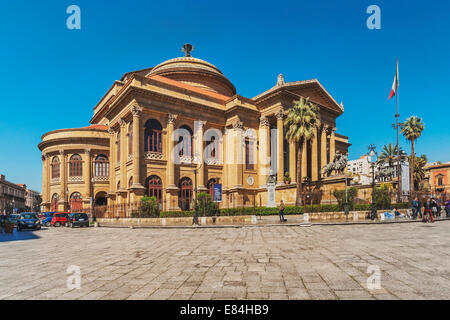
[(154, 127), (32, 199), (12, 196), (437, 176)]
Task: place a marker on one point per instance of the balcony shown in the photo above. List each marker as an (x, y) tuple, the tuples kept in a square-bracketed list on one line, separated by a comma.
[(150, 155), (76, 179)]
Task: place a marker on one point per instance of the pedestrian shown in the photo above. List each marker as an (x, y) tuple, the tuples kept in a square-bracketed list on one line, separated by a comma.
[(447, 208), (438, 207), (415, 208), (420, 209), (434, 207), (427, 210), (282, 219)]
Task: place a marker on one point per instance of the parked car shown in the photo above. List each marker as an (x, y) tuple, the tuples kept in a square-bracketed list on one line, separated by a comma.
[(28, 220), (79, 219), (46, 218), (61, 219), (13, 218)]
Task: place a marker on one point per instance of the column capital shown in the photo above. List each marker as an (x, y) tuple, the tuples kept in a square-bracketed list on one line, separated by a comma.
[(45, 155), (62, 152), (171, 118), (280, 114), (200, 124), (122, 123), (111, 131), (87, 151), (264, 121), (237, 125), (136, 110)]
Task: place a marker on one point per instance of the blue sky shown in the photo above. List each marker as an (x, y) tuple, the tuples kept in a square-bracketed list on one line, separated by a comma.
[(52, 77)]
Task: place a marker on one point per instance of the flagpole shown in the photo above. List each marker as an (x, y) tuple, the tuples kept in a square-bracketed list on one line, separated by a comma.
[(397, 115)]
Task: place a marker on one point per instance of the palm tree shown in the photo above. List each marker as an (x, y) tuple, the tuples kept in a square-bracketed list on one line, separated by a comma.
[(389, 156), (412, 129), (419, 172), (301, 122)]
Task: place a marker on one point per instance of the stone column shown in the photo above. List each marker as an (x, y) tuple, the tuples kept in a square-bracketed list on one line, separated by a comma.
[(332, 144), (323, 148), (292, 161), (170, 151), (264, 150), (304, 160), (199, 153), (314, 157), (123, 156), (63, 179), (44, 178), (87, 173), (137, 111), (280, 154), (239, 160), (112, 161)]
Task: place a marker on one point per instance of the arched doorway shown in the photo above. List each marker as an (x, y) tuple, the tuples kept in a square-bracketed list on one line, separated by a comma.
[(153, 187), (55, 199), (76, 202), (100, 199), (185, 193)]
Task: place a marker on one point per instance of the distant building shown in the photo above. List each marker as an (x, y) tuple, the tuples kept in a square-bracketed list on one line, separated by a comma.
[(360, 168), (362, 173), (12, 196), (437, 176), (32, 199)]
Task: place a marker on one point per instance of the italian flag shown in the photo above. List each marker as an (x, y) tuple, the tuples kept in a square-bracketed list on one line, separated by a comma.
[(395, 84)]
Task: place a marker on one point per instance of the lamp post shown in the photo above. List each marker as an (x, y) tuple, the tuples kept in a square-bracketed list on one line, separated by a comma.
[(346, 204), (372, 153), (195, 219)]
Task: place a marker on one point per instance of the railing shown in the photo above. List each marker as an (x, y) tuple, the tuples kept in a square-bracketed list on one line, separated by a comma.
[(150, 155), (75, 179)]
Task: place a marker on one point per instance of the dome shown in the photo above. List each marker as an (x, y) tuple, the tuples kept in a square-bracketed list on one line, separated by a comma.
[(195, 72)]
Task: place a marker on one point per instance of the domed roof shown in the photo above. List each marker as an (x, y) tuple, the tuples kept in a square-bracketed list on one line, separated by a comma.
[(195, 72)]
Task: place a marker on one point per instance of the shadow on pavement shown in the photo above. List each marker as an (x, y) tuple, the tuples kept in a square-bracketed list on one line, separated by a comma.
[(16, 236)]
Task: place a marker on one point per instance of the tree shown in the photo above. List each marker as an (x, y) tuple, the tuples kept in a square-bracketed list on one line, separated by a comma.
[(389, 155), (412, 130), (350, 194), (301, 123), (419, 172)]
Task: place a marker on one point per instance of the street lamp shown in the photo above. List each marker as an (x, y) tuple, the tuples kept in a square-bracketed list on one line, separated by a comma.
[(372, 153), (195, 219)]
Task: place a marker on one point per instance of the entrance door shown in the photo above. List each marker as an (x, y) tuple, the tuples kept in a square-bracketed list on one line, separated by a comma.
[(185, 193)]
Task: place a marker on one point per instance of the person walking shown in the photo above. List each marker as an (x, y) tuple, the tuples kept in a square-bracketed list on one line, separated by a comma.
[(427, 206), (438, 207), (434, 207), (415, 208), (447, 208), (282, 219)]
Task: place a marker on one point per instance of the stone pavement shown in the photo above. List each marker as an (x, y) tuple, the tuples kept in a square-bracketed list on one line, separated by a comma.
[(289, 262)]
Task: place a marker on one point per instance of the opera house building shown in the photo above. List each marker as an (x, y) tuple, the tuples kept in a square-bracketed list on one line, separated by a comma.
[(160, 130)]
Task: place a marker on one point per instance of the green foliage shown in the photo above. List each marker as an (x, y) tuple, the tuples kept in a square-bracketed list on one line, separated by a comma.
[(389, 155), (340, 196), (412, 128), (382, 197), (149, 207), (206, 206)]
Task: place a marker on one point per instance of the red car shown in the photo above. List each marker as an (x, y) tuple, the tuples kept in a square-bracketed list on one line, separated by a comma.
[(61, 218)]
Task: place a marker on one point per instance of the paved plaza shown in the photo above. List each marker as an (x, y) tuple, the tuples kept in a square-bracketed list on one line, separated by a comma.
[(272, 262)]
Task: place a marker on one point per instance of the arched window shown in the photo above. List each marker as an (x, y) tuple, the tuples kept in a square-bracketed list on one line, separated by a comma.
[(153, 136), (185, 193), (130, 139), (185, 137), (55, 199), (76, 166), (76, 202), (153, 186), (440, 180), (101, 166), (55, 168), (118, 146)]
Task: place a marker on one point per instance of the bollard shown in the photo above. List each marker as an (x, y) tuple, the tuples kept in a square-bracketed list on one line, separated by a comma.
[(306, 217)]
